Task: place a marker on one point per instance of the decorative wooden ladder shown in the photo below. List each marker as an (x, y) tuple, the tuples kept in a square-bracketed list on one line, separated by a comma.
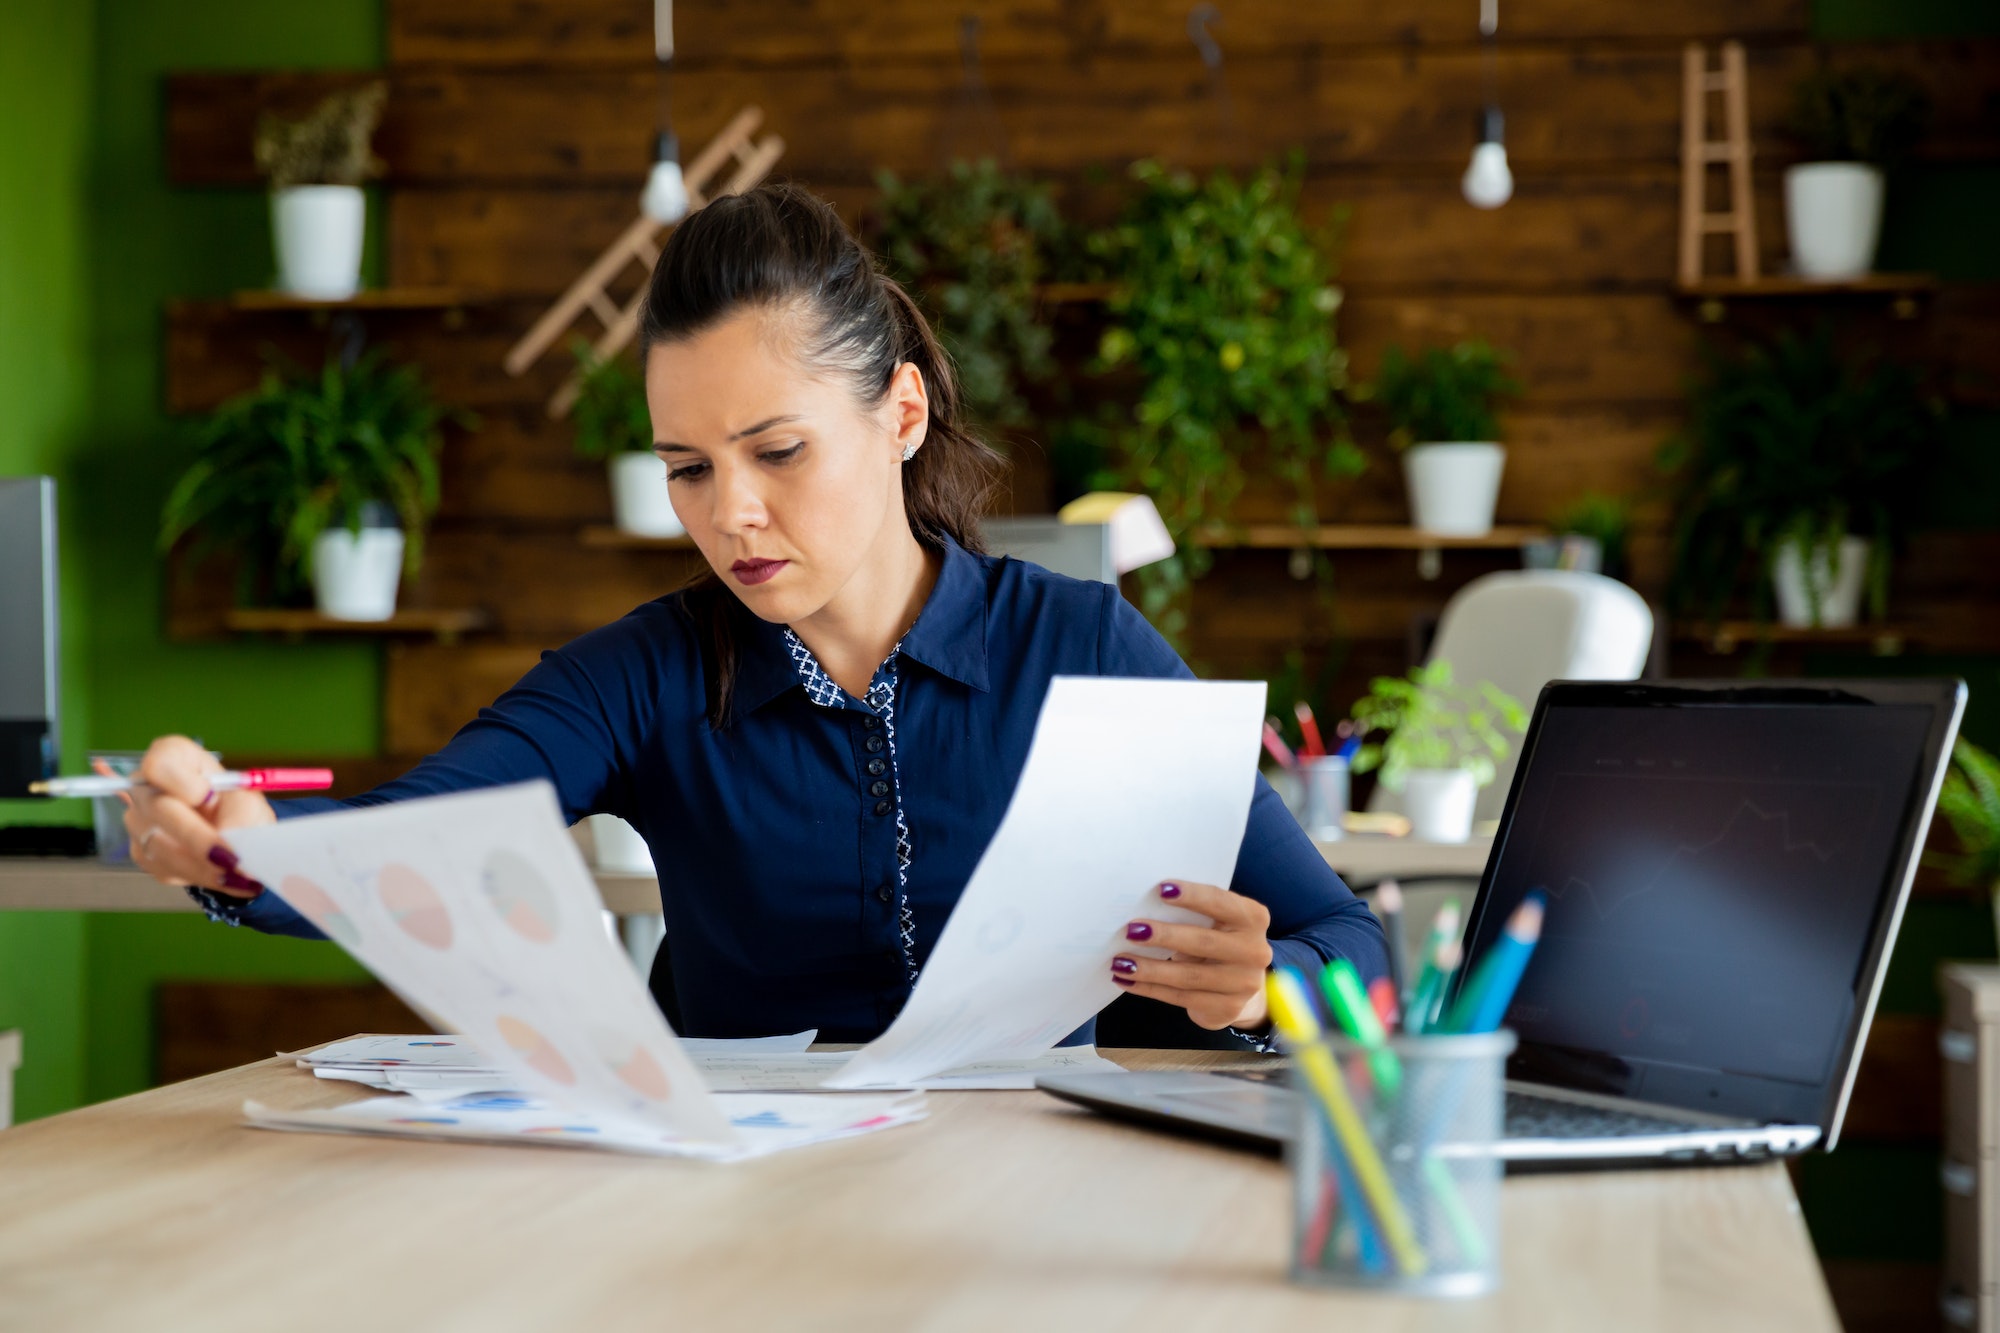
[(1699, 152), (639, 244)]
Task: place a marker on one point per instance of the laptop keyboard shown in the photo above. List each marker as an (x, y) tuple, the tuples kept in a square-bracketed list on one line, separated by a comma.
[(1532, 1117)]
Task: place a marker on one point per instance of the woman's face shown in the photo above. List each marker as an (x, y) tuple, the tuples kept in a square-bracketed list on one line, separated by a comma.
[(787, 483)]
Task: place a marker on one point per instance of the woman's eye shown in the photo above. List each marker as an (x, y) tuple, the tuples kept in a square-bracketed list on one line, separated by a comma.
[(785, 455), (687, 472)]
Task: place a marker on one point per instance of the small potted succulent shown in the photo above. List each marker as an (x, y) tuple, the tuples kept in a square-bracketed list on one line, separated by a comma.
[(614, 424), (1970, 803), (1443, 741), (1798, 474), (318, 211), (325, 480), (1852, 126), (1441, 406)]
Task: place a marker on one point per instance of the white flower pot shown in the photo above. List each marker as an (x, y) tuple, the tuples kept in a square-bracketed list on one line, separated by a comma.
[(619, 848), (1833, 213), (355, 573), (318, 231), (1837, 582), (1439, 803), (1453, 487), (639, 496)]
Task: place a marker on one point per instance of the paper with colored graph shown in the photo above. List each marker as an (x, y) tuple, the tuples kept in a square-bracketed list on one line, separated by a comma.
[(1128, 783), (478, 907)]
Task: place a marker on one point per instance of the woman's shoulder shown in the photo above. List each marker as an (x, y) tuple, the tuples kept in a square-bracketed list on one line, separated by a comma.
[(1083, 615)]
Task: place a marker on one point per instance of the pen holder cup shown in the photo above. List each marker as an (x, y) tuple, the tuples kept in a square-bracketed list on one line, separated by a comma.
[(1323, 797), (1395, 1165)]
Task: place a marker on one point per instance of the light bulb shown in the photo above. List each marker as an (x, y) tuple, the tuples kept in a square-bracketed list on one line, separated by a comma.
[(666, 197), (1487, 182)]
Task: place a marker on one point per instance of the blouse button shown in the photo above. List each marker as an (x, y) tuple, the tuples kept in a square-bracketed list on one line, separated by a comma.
[(871, 724), (884, 807), (885, 893), (878, 789), (876, 768), (873, 744)]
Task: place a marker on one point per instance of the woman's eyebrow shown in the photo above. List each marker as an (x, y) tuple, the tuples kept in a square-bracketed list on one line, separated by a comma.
[(758, 429)]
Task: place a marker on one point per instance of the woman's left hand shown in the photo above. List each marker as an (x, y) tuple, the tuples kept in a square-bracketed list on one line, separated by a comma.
[(1216, 972)]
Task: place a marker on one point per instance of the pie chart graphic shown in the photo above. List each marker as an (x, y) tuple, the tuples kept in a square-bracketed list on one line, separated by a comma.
[(414, 905), (633, 1064), (318, 907), (521, 896), (532, 1046)]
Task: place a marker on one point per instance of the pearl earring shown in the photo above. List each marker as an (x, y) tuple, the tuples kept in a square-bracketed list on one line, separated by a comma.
[(909, 452)]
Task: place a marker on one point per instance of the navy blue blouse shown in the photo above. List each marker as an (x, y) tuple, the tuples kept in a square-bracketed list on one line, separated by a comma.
[(776, 837)]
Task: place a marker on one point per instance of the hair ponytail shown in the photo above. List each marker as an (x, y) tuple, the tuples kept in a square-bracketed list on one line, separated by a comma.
[(781, 247)]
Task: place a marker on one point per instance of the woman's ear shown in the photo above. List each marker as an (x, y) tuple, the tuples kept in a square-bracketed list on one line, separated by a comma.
[(909, 410)]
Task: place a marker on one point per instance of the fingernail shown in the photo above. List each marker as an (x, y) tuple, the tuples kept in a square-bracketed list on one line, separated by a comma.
[(222, 856), (235, 881), (1125, 965), (1170, 890), (1138, 930), (1124, 981)]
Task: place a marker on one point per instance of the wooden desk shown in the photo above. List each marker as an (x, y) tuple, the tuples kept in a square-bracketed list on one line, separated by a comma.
[(1002, 1211), (1368, 858)]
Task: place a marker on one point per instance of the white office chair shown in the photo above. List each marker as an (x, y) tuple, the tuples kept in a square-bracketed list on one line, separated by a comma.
[(1522, 629)]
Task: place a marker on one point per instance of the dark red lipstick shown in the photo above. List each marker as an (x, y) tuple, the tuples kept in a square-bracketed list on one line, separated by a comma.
[(750, 573)]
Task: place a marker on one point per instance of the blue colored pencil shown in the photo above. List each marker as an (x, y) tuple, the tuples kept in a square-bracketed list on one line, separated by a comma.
[(1490, 988)]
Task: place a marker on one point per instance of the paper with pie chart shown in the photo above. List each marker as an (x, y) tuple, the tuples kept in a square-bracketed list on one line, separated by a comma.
[(1128, 783), (478, 907)]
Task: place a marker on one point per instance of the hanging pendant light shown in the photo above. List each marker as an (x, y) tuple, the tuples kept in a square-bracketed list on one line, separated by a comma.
[(665, 198), (1488, 182)]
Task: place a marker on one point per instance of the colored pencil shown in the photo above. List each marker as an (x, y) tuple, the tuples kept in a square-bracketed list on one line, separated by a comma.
[(1417, 1004), (1276, 745), (1348, 1001), (1482, 1002), (1389, 906), (1315, 748)]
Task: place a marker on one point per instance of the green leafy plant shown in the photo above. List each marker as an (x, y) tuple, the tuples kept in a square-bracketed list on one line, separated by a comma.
[(1791, 442), (973, 245), (300, 454), (1605, 519), (1970, 803), (1443, 394), (329, 147), (1434, 722), (1859, 115), (1223, 308), (610, 416)]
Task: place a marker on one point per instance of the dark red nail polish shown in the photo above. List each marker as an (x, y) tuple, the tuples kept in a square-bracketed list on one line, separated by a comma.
[(1138, 930), (222, 856), (1125, 965), (1170, 890), (1124, 981), (233, 880)]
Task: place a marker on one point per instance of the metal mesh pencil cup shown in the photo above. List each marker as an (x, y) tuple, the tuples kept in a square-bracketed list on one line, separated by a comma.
[(1395, 1174)]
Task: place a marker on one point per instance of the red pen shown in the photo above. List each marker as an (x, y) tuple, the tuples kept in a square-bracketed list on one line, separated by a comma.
[(1309, 730), (1276, 745), (251, 779)]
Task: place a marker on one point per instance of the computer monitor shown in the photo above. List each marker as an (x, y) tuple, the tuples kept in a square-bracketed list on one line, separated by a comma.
[(28, 632)]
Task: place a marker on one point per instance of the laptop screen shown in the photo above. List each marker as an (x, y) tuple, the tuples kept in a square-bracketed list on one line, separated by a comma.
[(1717, 866)]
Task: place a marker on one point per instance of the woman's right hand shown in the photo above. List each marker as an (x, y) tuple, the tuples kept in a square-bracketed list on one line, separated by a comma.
[(176, 821)]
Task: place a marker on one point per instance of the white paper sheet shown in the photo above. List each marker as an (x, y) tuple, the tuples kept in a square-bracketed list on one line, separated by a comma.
[(763, 1123), (1128, 783), (478, 907)]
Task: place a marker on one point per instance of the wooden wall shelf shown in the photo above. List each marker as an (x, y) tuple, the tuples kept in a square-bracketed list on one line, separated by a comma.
[(381, 298), (1901, 290), (613, 539), (445, 625), (1729, 636), (1362, 537)]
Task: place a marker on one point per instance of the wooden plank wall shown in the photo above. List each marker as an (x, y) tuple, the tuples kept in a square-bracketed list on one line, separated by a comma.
[(518, 133)]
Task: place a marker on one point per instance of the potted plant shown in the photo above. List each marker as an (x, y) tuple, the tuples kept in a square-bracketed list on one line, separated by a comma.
[(1852, 125), (1798, 474), (974, 246), (1970, 803), (1221, 317), (327, 480), (613, 423), (1442, 743), (1588, 534), (1441, 405), (318, 212)]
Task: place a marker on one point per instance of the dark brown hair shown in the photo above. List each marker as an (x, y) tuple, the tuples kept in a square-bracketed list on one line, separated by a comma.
[(782, 248)]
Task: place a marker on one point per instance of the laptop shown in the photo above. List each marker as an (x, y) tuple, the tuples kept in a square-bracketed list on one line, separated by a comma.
[(1726, 866)]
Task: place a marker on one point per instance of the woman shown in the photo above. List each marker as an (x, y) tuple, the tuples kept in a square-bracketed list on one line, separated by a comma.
[(819, 736)]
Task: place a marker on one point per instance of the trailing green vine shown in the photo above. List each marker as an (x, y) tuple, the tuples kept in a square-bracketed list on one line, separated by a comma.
[(1224, 307)]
